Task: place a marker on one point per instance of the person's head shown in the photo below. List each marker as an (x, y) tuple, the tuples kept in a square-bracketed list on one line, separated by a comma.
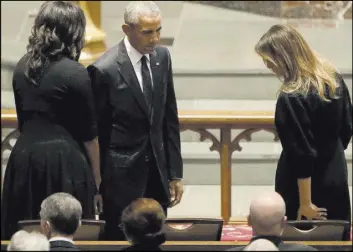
[(267, 214), (24, 241), (142, 25), (261, 245), (60, 215), (284, 51), (58, 31), (142, 222)]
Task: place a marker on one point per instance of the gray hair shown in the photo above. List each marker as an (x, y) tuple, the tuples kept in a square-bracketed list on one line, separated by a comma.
[(63, 211), (261, 245), (136, 9), (24, 241)]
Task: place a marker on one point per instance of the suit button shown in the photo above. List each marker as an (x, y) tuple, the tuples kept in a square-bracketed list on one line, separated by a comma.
[(146, 158)]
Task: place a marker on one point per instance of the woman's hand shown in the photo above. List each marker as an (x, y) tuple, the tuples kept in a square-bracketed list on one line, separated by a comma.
[(310, 211)]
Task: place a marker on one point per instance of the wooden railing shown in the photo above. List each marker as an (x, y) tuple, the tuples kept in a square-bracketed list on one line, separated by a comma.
[(200, 122)]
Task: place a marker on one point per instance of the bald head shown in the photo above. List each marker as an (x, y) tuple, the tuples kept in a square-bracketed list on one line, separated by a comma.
[(261, 245), (267, 214)]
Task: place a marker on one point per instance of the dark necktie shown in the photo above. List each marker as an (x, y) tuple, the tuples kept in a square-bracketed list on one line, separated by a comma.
[(146, 82)]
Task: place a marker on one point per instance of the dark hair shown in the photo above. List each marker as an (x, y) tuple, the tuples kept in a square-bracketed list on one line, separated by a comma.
[(143, 221), (65, 225), (58, 31)]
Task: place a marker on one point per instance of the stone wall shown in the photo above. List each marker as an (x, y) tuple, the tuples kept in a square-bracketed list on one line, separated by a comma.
[(267, 8), (288, 9)]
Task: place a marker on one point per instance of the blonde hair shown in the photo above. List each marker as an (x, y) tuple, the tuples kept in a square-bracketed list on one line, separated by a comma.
[(303, 69)]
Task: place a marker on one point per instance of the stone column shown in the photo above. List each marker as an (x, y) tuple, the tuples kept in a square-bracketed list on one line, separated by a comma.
[(95, 38)]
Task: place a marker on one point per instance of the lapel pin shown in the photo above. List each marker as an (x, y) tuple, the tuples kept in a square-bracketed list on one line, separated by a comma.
[(157, 63)]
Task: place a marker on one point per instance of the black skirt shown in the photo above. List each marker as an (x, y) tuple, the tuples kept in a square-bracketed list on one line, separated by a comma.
[(45, 160), (329, 187)]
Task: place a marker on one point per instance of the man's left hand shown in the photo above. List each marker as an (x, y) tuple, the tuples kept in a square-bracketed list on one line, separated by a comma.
[(98, 204), (176, 192)]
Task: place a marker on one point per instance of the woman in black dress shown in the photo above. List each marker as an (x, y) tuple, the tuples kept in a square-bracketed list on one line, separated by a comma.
[(57, 150), (314, 123)]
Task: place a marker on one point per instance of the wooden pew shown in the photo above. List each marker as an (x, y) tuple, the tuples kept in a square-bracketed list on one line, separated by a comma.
[(196, 246)]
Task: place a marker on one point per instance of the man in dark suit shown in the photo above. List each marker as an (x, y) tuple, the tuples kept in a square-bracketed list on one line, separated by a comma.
[(60, 217), (267, 219), (137, 119)]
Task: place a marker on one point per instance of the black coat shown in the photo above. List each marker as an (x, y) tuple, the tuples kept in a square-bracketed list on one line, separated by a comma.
[(63, 246), (126, 129), (142, 248), (277, 241)]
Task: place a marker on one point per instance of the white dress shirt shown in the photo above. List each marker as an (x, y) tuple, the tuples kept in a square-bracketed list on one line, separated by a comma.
[(135, 58)]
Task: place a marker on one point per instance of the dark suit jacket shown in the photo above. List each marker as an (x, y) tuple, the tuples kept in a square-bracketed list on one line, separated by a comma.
[(63, 246), (142, 248), (126, 129), (279, 243)]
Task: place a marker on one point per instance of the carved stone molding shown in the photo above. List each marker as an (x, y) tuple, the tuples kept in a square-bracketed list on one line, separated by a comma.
[(205, 134), (246, 135)]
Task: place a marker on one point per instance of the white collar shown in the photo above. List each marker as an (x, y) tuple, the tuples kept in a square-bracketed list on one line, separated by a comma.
[(134, 55), (60, 238)]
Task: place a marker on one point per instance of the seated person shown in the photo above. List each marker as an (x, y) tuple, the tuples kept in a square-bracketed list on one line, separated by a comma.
[(60, 216), (24, 241), (142, 222), (267, 218)]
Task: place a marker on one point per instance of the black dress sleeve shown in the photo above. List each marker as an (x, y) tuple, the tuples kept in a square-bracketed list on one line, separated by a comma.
[(294, 130), (103, 110), (84, 121), (18, 104), (346, 126), (100, 91)]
